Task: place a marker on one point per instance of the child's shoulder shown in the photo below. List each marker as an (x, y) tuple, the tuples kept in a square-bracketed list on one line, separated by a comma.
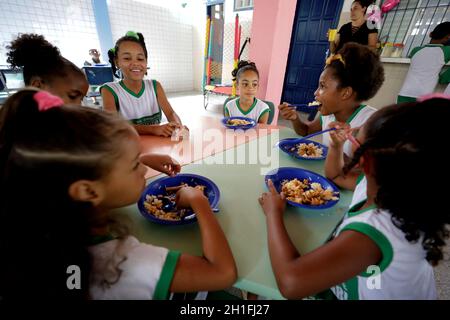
[(232, 101)]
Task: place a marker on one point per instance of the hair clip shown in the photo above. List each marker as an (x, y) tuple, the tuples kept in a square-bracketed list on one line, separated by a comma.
[(132, 34), (435, 95), (47, 101), (334, 58), (113, 50)]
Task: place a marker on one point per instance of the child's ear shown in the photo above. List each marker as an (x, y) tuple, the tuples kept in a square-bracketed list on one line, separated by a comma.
[(37, 82), (347, 93), (365, 162), (86, 191)]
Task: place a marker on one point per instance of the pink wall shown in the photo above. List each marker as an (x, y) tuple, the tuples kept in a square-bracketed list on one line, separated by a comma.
[(269, 48)]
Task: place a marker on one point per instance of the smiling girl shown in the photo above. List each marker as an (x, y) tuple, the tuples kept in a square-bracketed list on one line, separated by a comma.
[(350, 77), (137, 99)]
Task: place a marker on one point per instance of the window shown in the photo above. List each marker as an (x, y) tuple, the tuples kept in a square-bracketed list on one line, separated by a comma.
[(240, 5), (412, 21)]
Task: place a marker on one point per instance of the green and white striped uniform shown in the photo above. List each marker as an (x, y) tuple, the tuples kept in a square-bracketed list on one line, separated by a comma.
[(141, 108), (423, 74), (256, 111), (145, 272), (357, 119), (404, 272)]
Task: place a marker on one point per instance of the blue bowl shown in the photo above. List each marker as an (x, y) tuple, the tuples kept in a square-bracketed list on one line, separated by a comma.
[(158, 186), (251, 125), (286, 146), (285, 173)]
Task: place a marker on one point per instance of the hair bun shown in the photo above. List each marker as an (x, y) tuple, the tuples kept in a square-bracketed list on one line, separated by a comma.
[(31, 49)]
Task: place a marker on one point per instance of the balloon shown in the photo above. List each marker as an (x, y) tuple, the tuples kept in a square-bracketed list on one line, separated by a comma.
[(388, 5)]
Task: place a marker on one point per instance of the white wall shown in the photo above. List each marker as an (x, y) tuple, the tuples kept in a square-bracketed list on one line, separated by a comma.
[(69, 25), (167, 28)]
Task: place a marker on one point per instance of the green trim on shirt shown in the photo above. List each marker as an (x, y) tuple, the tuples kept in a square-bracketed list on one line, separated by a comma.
[(354, 211), (116, 98), (380, 240), (446, 50), (249, 110), (444, 77), (359, 179), (414, 51), (165, 279), (263, 113), (355, 113), (138, 95), (154, 87), (403, 99), (321, 121), (148, 120)]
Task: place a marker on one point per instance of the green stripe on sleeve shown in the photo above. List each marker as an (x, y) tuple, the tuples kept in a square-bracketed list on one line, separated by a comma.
[(444, 77), (154, 87), (168, 270), (380, 240), (359, 179), (116, 98), (263, 113), (446, 50)]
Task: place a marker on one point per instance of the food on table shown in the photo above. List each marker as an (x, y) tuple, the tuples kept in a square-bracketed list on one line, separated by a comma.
[(306, 192)]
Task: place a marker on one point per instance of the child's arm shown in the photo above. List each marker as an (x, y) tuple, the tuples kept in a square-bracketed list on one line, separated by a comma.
[(109, 103), (165, 105), (164, 130), (335, 158), (333, 263), (300, 127), (216, 269), (264, 118), (161, 162)]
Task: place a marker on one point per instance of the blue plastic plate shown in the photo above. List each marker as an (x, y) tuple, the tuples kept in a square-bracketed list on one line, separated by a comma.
[(251, 125), (158, 186), (286, 173), (289, 146)]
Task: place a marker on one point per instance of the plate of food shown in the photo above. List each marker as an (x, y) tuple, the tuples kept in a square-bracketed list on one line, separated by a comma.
[(303, 149), (304, 188), (238, 123), (157, 202)]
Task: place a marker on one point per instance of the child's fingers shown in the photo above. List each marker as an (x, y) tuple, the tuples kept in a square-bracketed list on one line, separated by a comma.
[(272, 187)]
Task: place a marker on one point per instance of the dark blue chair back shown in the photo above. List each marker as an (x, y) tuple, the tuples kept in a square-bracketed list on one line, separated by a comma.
[(97, 76)]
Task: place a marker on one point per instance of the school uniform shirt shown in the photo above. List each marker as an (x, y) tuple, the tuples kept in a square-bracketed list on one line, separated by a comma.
[(130, 270), (256, 111), (404, 273), (423, 74), (360, 192), (361, 36), (141, 108), (357, 119)]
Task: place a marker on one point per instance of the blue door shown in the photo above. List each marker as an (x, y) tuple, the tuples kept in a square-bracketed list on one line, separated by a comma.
[(309, 45)]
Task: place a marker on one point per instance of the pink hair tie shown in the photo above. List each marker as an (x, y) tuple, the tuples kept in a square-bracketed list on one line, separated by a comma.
[(432, 96), (47, 101)]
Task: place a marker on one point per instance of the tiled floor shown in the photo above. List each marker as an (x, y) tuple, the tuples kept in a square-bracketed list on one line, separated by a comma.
[(190, 104)]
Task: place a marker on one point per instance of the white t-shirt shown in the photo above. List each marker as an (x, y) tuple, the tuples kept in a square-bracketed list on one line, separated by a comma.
[(131, 270), (256, 111), (423, 73), (360, 192), (404, 272), (357, 119), (141, 108)]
